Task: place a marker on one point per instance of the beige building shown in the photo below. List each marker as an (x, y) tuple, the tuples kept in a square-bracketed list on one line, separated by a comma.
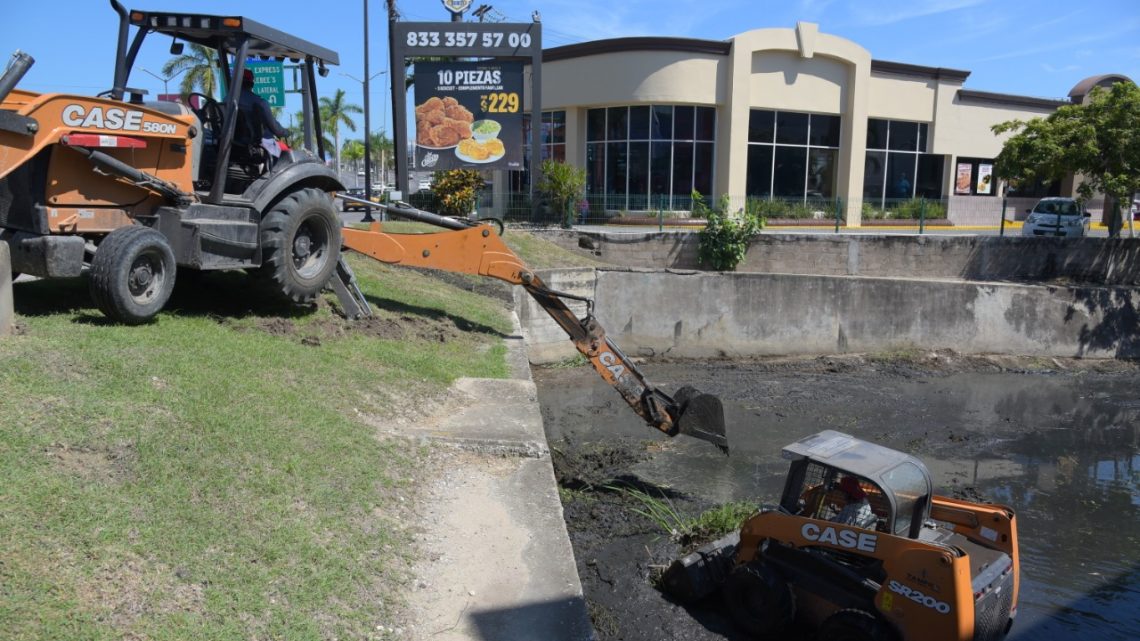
[(793, 115)]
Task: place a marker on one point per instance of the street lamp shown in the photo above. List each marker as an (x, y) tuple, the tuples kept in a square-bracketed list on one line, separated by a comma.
[(367, 135), (164, 79)]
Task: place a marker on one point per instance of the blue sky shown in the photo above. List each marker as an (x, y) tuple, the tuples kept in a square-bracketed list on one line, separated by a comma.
[(1028, 47)]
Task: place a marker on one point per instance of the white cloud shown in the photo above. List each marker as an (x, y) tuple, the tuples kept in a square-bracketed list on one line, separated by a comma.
[(1051, 69)]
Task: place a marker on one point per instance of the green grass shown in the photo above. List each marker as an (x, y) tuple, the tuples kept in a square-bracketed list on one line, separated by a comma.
[(215, 475), (689, 530)]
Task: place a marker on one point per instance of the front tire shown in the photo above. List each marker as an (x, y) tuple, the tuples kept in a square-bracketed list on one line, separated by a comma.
[(300, 244), (855, 625), (132, 274), (759, 599)]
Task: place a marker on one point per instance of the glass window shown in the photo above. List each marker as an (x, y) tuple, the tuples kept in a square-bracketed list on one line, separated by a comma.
[(595, 168), (558, 126), (661, 127), (922, 129), (684, 123), (615, 174), (928, 184), (759, 170), (682, 169), (974, 177), (790, 164), (596, 124), (703, 168), (903, 136), (824, 131), (638, 174), (900, 175), (661, 155), (874, 173), (876, 134), (639, 123), (617, 123), (791, 128), (821, 172), (706, 123), (761, 125), (908, 484)]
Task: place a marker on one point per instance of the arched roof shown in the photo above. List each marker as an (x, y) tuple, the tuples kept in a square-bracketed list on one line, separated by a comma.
[(1082, 88)]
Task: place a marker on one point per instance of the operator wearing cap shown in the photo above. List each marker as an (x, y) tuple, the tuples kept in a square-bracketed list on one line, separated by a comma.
[(857, 511), (257, 113)]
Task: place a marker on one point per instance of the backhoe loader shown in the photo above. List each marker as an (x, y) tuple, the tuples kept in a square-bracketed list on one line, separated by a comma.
[(130, 191), (861, 549)]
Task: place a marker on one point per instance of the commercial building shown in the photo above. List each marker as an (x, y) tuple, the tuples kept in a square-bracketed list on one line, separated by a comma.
[(787, 114)]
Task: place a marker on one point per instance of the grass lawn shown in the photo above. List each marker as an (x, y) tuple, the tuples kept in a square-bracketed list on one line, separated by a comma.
[(212, 475)]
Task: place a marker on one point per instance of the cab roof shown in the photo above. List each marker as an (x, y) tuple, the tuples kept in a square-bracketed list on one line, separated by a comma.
[(847, 453), (227, 32)]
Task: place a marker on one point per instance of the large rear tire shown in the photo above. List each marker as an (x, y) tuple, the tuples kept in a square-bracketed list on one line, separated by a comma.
[(759, 599), (300, 244), (855, 625), (132, 274)]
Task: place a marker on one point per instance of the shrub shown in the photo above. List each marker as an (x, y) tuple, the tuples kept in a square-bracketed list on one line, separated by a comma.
[(913, 209), (563, 186), (457, 190), (724, 239)]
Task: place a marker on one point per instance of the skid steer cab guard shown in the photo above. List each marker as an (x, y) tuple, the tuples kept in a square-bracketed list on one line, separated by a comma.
[(860, 547), (132, 190)]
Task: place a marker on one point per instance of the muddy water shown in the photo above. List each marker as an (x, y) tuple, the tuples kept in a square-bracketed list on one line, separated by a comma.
[(1061, 447)]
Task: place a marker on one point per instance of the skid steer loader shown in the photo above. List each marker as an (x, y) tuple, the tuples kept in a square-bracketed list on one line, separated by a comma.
[(134, 190), (860, 549)]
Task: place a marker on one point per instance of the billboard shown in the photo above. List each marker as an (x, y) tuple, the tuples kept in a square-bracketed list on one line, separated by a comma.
[(468, 115), (268, 80)]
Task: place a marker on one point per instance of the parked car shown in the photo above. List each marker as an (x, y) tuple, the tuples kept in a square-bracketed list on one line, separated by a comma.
[(1057, 217), (349, 205)]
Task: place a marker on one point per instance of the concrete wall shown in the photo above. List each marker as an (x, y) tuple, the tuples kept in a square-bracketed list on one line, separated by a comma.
[(701, 315), (6, 310), (991, 258)]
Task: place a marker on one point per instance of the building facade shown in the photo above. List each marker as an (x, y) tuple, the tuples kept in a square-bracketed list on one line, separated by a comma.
[(786, 114)]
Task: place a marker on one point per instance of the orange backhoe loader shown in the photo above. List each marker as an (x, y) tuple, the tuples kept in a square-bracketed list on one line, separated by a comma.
[(131, 191), (861, 549)]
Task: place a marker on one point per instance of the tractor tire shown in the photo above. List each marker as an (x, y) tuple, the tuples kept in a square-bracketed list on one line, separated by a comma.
[(759, 599), (300, 244), (856, 625), (132, 274)]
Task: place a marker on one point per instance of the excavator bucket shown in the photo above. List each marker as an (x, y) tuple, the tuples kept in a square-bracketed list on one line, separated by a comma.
[(701, 416)]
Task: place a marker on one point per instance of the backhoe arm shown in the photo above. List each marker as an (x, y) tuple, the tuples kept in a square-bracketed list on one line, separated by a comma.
[(474, 248)]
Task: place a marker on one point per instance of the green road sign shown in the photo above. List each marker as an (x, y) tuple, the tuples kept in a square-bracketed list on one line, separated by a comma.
[(268, 80)]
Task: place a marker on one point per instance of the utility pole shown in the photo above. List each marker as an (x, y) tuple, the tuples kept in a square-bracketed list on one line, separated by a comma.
[(396, 78), (367, 127)]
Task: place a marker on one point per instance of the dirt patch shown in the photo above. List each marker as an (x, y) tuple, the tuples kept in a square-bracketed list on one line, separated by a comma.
[(114, 464), (132, 588)]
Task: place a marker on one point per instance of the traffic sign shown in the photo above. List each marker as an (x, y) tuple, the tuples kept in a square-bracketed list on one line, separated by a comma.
[(268, 80)]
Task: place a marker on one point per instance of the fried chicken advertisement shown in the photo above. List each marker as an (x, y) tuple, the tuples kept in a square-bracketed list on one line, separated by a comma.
[(442, 122)]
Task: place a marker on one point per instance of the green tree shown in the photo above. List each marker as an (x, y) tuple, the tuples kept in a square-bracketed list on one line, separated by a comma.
[(352, 151), (201, 67), (457, 190), (296, 135), (564, 186), (1098, 140), (334, 113)]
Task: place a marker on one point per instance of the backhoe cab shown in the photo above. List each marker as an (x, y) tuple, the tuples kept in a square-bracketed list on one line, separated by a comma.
[(861, 548)]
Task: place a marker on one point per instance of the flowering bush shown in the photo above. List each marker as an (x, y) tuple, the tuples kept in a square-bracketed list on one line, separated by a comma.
[(457, 190)]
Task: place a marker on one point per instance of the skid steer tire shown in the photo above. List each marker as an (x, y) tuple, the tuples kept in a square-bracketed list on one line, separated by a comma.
[(300, 244), (132, 274), (759, 599), (855, 625)]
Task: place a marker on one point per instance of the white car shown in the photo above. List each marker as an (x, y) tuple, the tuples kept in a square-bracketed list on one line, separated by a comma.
[(1057, 217)]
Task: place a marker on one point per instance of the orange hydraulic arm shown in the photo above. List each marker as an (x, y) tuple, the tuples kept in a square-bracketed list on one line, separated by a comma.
[(473, 248)]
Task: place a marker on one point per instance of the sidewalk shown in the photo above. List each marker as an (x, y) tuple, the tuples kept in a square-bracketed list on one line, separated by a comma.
[(495, 561)]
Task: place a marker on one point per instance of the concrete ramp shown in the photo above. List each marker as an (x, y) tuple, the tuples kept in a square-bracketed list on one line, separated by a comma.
[(6, 307)]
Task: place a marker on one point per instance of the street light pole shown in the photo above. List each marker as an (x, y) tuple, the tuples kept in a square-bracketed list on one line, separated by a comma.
[(367, 143), (164, 79)]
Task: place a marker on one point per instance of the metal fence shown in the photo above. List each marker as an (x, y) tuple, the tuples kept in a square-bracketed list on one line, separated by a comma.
[(666, 211)]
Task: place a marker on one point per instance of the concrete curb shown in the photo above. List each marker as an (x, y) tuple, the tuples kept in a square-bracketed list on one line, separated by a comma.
[(7, 310), (495, 557)]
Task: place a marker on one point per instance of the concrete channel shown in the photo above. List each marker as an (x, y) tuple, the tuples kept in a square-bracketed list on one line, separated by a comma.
[(497, 562)]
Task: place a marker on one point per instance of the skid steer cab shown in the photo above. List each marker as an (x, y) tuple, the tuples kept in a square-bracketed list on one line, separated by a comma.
[(134, 190), (860, 549)]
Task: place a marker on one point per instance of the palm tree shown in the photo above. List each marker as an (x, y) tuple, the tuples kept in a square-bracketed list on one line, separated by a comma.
[(296, 137), (334, 113), (200, 66), (380, 148), (352, 152)]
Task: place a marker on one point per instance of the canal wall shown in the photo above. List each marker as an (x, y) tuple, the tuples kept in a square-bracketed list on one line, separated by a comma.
[(692, 314)]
